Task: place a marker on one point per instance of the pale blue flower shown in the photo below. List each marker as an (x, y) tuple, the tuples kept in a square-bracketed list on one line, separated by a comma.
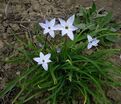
[(49, 27), (92, 42), (67, 27), (43, 60)]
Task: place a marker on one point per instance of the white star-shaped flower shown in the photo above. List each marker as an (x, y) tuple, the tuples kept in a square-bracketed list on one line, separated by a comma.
[(49, 27), (92, 41), (67, 27), (43, 60)]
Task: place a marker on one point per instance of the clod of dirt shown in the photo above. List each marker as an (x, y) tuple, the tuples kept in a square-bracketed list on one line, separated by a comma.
[(115, 95)]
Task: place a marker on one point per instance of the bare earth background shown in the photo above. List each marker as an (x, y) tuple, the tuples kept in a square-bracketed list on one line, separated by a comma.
[(21, 15)]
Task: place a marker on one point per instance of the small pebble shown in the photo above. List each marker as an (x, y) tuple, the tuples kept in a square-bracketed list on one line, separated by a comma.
[(1, 78), (18, 73)]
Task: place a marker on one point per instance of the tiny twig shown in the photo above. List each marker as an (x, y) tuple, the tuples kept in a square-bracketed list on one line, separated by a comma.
[(6, 8)]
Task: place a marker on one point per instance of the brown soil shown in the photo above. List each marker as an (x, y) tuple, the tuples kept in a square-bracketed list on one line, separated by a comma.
[(20, 16)]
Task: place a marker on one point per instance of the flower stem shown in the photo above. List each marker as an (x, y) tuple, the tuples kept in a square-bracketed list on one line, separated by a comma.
[(14, 100), (65, 47), (45, 42)]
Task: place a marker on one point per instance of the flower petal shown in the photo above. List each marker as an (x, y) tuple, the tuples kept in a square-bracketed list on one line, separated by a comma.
[(73, 28), (63, 23), (63, 32), (89, 38), (43, 25), (70, 35), (46, 22), (41, 55), (47, 56), (70, 21), (37, 59), (89, 46), (46, 31), (95, 42), (58, 27), (52, 22), (45, 66), (52, 34)]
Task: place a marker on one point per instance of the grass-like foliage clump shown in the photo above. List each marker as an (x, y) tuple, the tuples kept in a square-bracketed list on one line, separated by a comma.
[(71, 68)]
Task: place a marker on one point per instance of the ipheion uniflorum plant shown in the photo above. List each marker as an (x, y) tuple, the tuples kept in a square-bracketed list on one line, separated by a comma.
[(68, 61), (66, 28)]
